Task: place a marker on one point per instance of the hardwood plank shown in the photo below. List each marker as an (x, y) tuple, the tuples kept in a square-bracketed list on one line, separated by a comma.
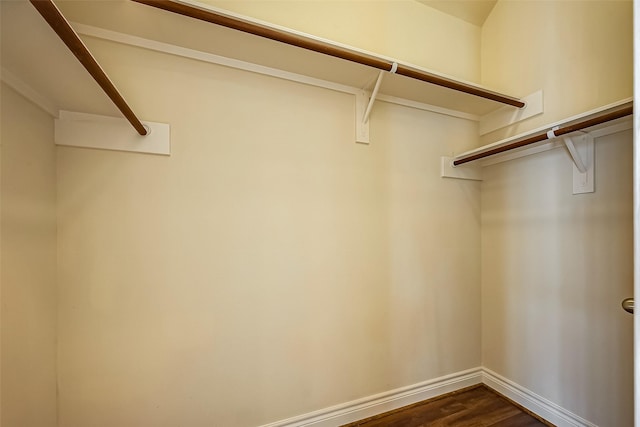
[(520, 420), (477, 406)]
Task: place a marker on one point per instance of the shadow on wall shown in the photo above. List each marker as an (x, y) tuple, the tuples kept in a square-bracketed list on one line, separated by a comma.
[(555, 268)]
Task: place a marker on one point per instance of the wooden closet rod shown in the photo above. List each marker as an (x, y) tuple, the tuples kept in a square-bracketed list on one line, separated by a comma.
[(191, 11), (61, 26), (603, 118)]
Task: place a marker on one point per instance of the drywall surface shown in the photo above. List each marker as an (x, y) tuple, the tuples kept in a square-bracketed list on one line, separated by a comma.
[(28, 256), (271, 266), (580, 53), (405, 30), (555, 268)]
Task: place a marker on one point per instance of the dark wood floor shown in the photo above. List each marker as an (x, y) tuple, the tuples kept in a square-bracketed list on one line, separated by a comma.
[(474, 407)]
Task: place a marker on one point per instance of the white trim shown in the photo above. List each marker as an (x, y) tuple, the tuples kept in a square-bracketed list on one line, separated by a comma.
[(110, 133), (17, 84), (535, 403), (468, 172), (507, 116), (427, 107), (507, 156), (383, 402), (130, 40)]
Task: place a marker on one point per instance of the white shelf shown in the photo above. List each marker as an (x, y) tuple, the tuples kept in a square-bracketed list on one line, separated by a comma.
[(621, 123), (24, 56)]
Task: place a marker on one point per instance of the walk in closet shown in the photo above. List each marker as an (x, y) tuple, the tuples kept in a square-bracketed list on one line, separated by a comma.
[(265, 213)]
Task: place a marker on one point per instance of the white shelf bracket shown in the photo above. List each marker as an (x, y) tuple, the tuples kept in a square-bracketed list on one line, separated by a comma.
[(575, 156), (582, 152), (363, 110), (374, 94), (447, 170), (362, 128)]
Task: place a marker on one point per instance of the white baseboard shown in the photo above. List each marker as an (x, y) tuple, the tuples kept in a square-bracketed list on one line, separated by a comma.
[(383, 402), (394, 399), (533, 402)]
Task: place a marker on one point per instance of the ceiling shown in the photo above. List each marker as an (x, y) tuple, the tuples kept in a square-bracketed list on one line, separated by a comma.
[(472, 11)]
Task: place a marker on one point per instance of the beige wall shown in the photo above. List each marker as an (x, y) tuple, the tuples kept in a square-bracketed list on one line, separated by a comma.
[(270, 266), (28, 256), (580, 53), (555, 266)]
